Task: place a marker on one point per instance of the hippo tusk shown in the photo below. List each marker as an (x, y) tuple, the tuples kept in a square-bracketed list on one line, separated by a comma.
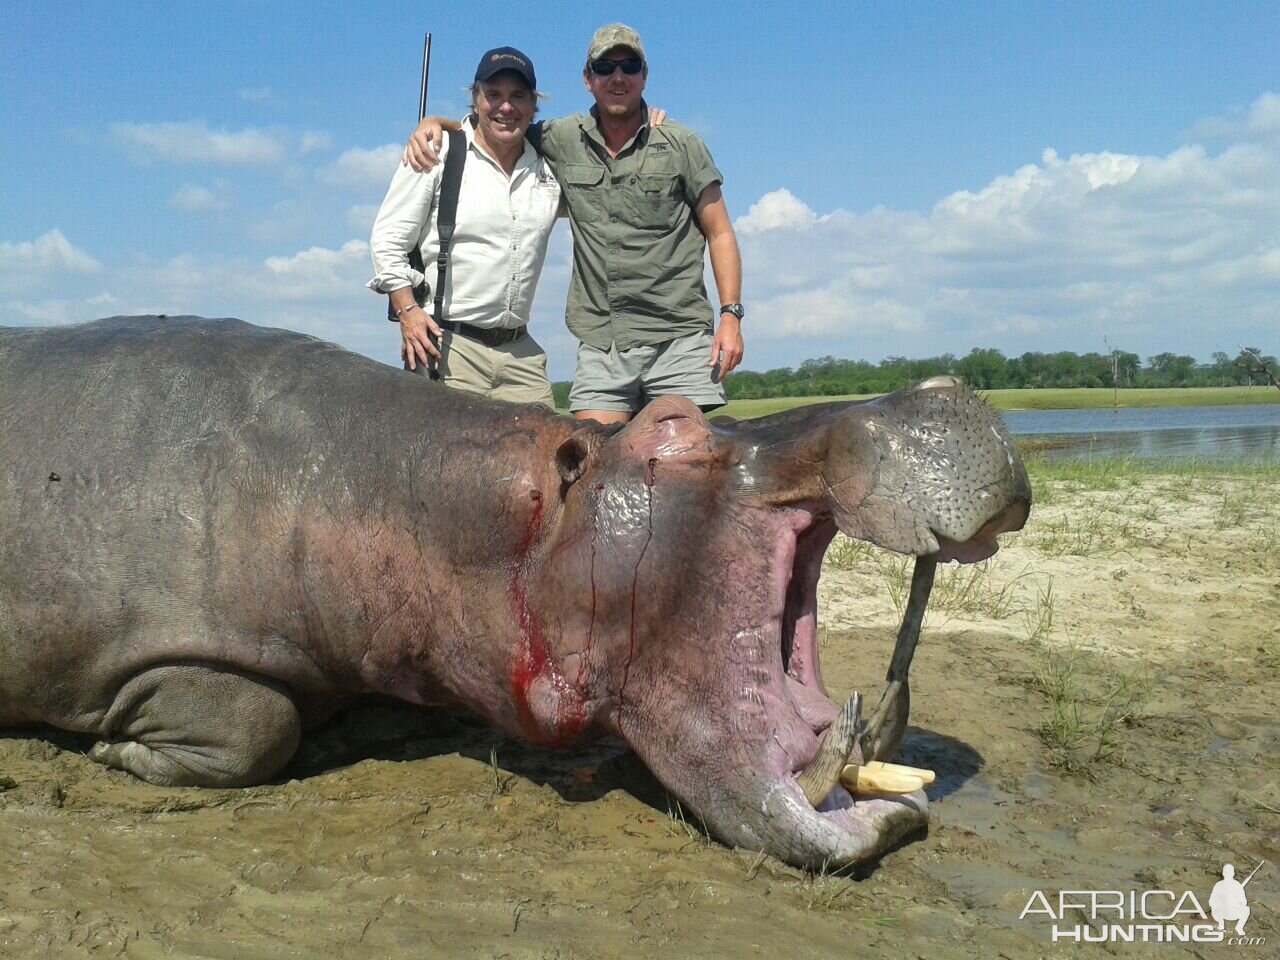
[(823, 772), (874, 777), (882, 734)]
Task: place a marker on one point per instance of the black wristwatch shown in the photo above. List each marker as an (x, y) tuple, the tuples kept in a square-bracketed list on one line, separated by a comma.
[(734, 308)]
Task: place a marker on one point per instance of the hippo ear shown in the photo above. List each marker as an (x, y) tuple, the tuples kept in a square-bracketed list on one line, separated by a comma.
[(576, 453)]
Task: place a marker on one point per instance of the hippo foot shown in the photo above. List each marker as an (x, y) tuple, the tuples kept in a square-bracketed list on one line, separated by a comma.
[(199, 725)]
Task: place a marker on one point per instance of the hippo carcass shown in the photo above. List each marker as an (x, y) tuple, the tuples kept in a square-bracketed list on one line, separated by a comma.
[(212, 534)]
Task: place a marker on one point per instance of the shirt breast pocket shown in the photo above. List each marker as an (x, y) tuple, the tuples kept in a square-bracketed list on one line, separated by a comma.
[(655, 200), (582, 184)]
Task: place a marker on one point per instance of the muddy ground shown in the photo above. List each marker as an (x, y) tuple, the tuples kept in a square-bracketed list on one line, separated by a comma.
[(1099, 702)]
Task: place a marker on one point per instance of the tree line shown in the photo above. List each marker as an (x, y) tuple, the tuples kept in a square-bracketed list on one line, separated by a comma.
[(989, 369)]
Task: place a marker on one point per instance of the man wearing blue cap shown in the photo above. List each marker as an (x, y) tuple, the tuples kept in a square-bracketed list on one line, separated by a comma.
[(507, 204)]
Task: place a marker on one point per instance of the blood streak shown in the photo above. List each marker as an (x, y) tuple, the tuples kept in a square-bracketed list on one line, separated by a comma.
[(532, 661), (649, 477), (585, 658)]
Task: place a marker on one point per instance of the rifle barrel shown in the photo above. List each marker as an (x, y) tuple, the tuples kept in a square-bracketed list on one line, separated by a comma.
[(426, 70)]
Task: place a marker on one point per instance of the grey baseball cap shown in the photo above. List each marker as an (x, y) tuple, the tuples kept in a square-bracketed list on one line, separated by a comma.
[(615, 35)]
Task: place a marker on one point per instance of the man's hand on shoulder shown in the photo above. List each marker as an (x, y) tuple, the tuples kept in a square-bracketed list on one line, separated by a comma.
[(422, 151)]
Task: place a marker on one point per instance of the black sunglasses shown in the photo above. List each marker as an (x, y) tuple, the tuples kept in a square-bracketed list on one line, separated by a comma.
[(605, 68)]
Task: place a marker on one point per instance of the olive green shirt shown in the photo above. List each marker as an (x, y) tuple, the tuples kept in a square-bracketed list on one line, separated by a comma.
[(637, 249)]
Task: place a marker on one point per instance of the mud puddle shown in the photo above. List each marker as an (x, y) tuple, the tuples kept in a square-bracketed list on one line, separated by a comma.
[(1129, 744)]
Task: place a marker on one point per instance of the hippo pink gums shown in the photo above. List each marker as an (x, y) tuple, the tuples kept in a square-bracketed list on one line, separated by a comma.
[(213, 535)]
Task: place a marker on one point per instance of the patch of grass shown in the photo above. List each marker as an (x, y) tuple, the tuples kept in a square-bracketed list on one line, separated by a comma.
[(1088, 702), (845, 553), (896, 571), (972, 589), (749, 409), (829, 888), (1065, 536), (1082, 398), (1096, 398), (501, 781), (1039, 619), (1106, 473), (679, 823)]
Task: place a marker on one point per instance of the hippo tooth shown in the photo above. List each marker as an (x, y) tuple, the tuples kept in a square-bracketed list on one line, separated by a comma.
[(874, 777), (823, 772)]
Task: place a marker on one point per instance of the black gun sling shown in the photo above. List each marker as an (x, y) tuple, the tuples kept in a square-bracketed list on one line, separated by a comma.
[(446, 220)]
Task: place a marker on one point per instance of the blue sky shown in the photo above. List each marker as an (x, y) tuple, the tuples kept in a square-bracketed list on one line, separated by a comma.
[(907, 178)]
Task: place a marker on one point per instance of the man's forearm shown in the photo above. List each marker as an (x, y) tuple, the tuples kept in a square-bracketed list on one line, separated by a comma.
[(726, 265), (401, 298)]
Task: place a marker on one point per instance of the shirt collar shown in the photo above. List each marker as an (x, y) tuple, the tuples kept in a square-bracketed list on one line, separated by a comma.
[(591, 127)]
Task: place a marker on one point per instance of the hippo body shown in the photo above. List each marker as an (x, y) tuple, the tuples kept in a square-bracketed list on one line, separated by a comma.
[(213, 535)]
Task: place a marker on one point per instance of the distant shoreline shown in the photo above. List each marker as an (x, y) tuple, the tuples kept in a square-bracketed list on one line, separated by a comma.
[(1049, 398)]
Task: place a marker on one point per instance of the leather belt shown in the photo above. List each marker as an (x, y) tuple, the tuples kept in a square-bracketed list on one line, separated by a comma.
[(489, 336)]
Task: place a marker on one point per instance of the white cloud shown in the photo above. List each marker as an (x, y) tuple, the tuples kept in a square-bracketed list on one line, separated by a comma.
[(193, 142), (364, 169), (778, 210), (318, 270), (190, 198), (1171, 251), (311, 141), (47, 259)]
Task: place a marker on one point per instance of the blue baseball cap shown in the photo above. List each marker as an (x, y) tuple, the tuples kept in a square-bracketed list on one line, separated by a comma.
[(506, 58)]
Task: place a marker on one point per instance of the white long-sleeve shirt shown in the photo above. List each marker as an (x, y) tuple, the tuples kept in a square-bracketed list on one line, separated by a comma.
[(499, 243)]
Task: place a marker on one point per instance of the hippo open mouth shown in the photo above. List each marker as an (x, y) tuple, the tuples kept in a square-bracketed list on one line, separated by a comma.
[(928, 472), (841, 735)]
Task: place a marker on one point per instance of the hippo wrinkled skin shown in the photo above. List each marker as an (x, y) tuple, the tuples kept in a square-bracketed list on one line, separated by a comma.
[(213, 535)]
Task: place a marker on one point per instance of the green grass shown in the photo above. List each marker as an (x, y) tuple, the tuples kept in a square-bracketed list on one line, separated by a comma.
[(1081, 398), (1110, 473), (750, 409), (1088, 701)]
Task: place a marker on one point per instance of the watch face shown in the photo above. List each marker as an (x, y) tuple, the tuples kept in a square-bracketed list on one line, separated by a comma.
[(734, 308)]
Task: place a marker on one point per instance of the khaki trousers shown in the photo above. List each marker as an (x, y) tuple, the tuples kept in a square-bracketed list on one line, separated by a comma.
[(515, 372)]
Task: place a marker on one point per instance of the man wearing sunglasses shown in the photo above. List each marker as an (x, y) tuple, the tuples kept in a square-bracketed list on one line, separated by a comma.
[(644, 207)]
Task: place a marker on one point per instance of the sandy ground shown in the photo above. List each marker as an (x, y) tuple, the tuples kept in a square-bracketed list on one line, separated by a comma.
[(1099, 702)]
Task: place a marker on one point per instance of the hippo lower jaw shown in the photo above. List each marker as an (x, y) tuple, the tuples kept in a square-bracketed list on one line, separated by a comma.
[(770, 800)]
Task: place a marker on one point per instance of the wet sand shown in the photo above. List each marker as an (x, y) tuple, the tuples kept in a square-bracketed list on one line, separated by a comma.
[(1099, 703)]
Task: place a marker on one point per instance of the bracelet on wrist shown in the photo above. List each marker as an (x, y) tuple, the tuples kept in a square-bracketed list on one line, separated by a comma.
[(405, 310)]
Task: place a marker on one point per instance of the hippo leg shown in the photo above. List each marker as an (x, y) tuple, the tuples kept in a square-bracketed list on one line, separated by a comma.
[(200, 725)]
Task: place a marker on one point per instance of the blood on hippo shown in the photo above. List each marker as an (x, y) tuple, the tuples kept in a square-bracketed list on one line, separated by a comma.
[(551, 710), (286, 526)]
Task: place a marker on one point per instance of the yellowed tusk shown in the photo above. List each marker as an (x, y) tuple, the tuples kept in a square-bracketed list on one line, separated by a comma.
[(876, 777), (919, 772)]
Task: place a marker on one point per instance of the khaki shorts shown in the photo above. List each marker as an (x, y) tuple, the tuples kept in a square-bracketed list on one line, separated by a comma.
[(625, 380), (515, 372)]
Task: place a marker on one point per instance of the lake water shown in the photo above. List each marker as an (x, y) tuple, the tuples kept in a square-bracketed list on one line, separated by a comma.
[(1246, 432)]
